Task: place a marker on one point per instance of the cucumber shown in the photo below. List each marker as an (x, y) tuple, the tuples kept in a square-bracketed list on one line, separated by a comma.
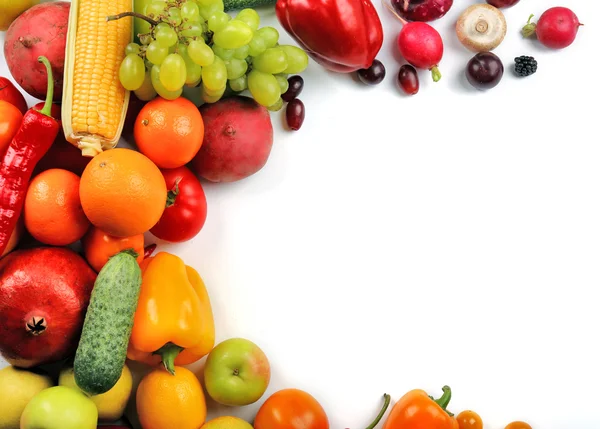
[(102, 347), (244, 4)]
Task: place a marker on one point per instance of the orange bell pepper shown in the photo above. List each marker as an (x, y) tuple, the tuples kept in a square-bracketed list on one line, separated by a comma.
[(173, 322), (417, 410)]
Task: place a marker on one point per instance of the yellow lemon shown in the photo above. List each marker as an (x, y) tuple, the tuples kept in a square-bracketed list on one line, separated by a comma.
[(17, 387), (111, 405), (11, 9), (227, 422)]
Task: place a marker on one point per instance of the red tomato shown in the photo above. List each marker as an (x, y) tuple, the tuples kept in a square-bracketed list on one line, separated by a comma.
[(291, 409), (185, 213), (10, 93)]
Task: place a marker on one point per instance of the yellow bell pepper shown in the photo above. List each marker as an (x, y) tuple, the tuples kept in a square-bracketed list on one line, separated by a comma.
[(173, 322)]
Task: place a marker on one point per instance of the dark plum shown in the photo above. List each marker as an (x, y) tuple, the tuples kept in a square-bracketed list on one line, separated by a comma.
[(422, 10), (296, 84), (374, 75), (485, 70), (294, 114), (408, 79)]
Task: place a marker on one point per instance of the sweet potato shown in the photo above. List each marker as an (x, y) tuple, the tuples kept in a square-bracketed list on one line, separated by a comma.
[(238, 137), (40, 30)]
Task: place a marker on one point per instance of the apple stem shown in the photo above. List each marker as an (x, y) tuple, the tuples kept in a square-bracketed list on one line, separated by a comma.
[(386, 404), (168, 353)]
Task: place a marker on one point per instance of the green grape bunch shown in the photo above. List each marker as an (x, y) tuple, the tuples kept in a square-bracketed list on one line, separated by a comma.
[(195, 44)]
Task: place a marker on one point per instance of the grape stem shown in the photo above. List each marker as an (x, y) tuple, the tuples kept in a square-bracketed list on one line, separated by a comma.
[(135, 15)]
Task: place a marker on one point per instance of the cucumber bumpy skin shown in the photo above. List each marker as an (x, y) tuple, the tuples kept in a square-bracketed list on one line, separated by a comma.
[(102, 348)]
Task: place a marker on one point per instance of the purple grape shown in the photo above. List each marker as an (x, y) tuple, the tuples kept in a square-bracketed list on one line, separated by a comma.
[(294, 114), (374, 75), (296, 84), (408, 79)]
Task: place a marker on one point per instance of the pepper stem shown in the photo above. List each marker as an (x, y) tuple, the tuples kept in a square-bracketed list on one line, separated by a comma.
[(445, 399), (386, 403), (529, 29), (436, 74), (168, 353), (47, 109)]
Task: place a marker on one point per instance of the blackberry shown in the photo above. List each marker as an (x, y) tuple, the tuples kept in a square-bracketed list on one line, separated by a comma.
[(525, 66)]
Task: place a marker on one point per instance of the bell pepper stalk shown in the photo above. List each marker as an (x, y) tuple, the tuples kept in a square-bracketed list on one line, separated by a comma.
[(173, 321), (417, 410), (341, 35)]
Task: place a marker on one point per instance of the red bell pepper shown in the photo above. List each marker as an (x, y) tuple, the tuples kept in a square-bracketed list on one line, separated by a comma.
[(341, 35)]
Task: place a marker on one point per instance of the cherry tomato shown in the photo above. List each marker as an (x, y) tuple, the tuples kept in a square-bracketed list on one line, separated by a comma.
[(10, 122), (518, 425), (185, 213), (291, 409), (469, 420)]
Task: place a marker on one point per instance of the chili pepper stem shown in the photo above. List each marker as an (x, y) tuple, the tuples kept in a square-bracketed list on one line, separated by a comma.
[(47, 109), (386, 403), (168, 353), (445, 399)]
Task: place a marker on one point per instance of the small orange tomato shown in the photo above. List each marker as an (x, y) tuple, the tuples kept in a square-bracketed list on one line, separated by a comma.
[(99, 246), (291, 409), (518, 425), (469, 420), (10, 122)]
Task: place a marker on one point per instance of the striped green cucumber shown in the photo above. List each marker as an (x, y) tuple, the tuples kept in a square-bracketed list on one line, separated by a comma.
[(244, 4), (102, 348)]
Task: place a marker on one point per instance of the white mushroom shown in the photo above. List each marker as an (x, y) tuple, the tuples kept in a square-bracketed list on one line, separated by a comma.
[(481, 27)]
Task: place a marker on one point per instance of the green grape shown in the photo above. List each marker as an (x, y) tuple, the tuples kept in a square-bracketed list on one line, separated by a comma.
[(218, 21), (256, 46), (132, 48), (214, 92), (165, 35), (146, 92), (277, 106), (273, 60), (146, 39), (195, 83), (250, 17), (214, 97), (205, 3), (239, 84), (175, 16), (200, 53), (190, 11), (173, 72), (263, 87), (159, 88), (283, 82), (214, 76), (207, 11), (297, 59), (194, 29), (241, 53), (224, 54), (156, 54), (132, 72), (235, 35), (270, 36), (235, 68), (156, 8), (193, 70), (148, 64)]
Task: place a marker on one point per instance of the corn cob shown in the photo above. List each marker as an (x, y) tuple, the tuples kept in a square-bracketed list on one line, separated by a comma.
[(94, 103)]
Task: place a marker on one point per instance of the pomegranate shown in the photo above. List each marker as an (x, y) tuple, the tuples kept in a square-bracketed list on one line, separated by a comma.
[(44, 294)]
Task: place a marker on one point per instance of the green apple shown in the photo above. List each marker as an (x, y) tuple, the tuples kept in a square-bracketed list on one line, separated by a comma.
[(60, 407), (237, 372)]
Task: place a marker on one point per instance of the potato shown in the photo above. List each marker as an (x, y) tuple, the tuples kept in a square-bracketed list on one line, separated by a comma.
[(238, 137)]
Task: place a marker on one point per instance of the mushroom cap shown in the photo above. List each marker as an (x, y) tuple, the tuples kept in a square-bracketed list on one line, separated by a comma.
[(481, 27)]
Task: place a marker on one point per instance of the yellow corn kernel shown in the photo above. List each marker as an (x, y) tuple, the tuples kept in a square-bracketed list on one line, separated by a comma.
[(94, 101)]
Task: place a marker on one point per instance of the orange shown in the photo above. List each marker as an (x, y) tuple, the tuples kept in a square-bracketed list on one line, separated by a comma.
[(52, 211), (169, 132), (165, 401), (123, 193), (99, 246), (227, 422)]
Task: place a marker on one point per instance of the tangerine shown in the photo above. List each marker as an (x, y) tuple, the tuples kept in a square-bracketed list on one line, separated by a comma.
[(99, 247)]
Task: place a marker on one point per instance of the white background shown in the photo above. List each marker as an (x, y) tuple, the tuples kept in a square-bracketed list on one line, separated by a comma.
[(449, 238)]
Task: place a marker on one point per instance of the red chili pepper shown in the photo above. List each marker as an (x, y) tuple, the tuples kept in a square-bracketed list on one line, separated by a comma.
[(149, 250), (35, 136), (341, 35)]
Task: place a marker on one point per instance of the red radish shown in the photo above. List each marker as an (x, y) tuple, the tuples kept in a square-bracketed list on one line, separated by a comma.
[(420, 44), (44, 294), (556, 29)]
